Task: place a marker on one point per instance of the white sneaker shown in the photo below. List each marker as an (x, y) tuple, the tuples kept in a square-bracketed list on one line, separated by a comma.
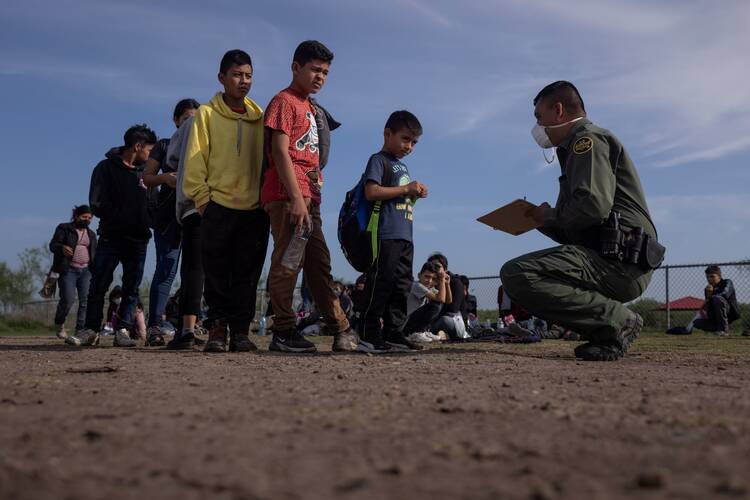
[(423, 337)]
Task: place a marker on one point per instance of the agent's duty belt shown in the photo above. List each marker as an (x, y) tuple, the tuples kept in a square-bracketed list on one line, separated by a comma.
[(630, 245)]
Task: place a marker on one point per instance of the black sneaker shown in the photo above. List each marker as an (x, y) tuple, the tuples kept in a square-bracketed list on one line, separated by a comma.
[(240, 342), (400, 343), (290, 341), (374, 346), (182, 341)]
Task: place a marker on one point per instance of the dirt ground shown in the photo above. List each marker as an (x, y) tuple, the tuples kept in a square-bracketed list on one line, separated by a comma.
[(479, 421)]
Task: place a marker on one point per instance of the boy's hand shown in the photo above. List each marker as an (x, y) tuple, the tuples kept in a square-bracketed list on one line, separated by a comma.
[(170, 179), (298, 214), (67, 251), (416, 189), (201, 209)]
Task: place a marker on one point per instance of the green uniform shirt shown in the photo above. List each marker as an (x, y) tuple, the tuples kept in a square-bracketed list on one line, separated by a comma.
[(597, 177)]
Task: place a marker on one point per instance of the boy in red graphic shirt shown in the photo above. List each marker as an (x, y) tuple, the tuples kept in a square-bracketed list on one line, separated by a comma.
[(291, 196)]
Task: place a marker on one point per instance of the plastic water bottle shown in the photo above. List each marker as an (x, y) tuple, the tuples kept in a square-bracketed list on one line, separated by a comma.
[(262, 326), (487, 323), (296, 249)]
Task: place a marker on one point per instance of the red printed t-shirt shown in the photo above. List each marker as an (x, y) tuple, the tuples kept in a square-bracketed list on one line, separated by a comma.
[(293, 115)]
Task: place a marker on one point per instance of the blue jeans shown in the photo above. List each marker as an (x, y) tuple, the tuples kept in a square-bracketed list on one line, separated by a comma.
[(109, 253), (167, 259), (76, 279)]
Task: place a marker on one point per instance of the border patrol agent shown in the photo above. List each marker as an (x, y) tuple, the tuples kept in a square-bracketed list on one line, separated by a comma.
[(609, 244)]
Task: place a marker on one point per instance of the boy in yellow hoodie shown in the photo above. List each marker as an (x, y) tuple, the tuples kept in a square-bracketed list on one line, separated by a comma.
[(223, 163)]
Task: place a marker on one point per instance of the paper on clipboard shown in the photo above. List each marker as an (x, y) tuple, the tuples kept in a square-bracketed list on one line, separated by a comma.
[(511, 218)]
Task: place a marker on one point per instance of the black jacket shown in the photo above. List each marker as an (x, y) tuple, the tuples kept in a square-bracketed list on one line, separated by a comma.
[(66, 235), (725, 289), (118, 197)]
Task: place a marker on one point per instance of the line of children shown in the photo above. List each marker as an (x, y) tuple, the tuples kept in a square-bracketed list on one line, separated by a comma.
[(236, 203)]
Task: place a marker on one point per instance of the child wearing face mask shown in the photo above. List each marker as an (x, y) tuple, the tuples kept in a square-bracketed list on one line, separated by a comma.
[(73, 246)]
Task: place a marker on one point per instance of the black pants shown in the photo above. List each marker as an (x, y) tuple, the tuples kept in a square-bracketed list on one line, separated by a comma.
[(191, 269), (111, 252), (388, 283), (717, 320), (422, 318), (233, 250)]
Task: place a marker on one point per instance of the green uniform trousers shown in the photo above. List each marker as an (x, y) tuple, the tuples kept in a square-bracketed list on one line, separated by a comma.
[(575, 287)]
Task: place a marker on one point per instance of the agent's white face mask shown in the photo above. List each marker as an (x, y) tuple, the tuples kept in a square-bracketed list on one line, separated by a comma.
[(539, 132)]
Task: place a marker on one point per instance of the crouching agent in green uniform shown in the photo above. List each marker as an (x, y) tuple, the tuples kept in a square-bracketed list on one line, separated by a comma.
[(608, 241)]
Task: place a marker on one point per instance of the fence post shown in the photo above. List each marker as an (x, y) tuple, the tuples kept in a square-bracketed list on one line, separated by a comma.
[(666, 287)]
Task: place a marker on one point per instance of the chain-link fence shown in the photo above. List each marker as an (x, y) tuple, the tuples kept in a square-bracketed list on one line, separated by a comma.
[(44, 310), (672, 298)]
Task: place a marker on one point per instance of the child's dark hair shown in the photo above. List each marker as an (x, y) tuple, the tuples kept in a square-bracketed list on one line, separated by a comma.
[(312, 49), (115, 292), (465, 280), (232, 57), (79, 210), (429, 267), (183, 106), (403, 119), (440, 258), (139, 134), (713, 270)]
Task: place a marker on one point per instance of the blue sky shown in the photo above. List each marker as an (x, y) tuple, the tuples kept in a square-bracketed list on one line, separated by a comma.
[(668, 78)]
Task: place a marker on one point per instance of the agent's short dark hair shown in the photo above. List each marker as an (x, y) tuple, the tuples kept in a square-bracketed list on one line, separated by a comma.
[(79, 210), (183, 106), (403, 119), (232, 57), (310, 50), (563, 92), (440, 258), (429, 267), (713, 270), (139, 134)]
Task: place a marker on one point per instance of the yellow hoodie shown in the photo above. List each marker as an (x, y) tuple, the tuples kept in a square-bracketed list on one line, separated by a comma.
[(224, 155)]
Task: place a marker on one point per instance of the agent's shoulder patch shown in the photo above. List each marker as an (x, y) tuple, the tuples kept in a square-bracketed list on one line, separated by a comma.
[(583, 145)]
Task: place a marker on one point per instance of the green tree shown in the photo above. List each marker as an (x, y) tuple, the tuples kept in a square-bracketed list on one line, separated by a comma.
[(18, 286)]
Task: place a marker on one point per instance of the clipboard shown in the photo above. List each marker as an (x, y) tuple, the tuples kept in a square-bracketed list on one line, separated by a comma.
[(511, 218)]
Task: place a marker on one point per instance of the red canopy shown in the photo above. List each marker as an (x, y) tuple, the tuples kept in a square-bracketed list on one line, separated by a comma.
[(684, 304)]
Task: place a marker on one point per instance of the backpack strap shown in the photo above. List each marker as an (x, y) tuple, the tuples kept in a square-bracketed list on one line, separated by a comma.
[(373, 225)]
